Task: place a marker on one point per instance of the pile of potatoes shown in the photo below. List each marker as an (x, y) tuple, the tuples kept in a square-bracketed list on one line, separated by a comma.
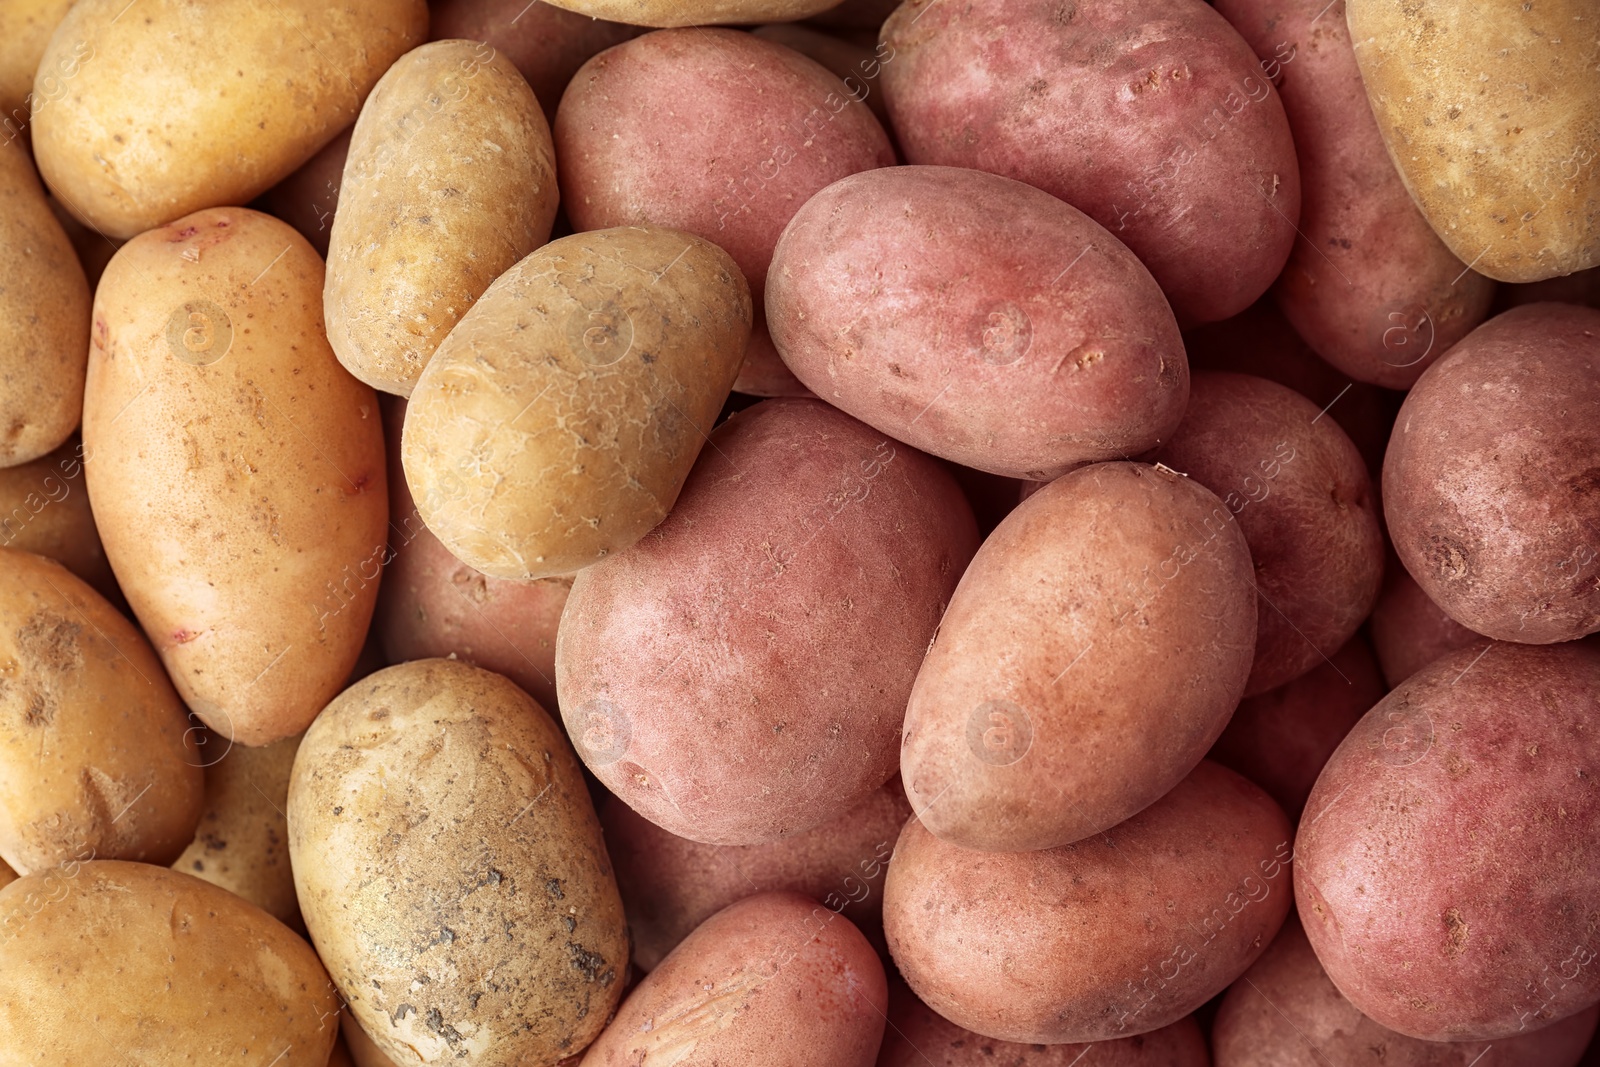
[(789, 533)]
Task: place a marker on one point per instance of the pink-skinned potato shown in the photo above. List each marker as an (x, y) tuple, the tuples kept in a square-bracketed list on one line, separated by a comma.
[(976, 318), (1118, 935), (1447, 879), (1153, 117), (856, 65), (1408, 630), (740, 673)]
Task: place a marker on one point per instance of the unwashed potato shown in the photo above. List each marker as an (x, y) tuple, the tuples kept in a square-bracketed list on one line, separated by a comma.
[(773, 980), (363, 1053), (695, 12), (1408, 630), (1491, 486), (238, 472), (1153, 117), (740, 674), (855, 65), (976, 318), (109, 962), (1492, 117), (670, 885), (96, 755), (1303, 498), (246, 94), (44, 509), (1447, 879), (44, 318), (25, 28), (1114, 936), (1090, 656), (308, 198), (558, 421), (449, 182), (451, 870)]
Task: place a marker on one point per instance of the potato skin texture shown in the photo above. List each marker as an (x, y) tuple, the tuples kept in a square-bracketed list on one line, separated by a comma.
[(774, 979), (1150, 116), (1285, 1012), (1076, 943), (1491, 117), (854, 64), (558, 421), (44, 318), (44, 509), (1073, 681), (129, 153), (1047, 342), (1491, 485), (450, 180), (447, 857), (1408, 630), (25, 29), (670, 13), (784, 605), (1446, 870), (197, 975), (670, 885)]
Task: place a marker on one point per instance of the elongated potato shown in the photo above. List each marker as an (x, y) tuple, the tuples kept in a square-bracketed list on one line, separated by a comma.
[(450, 180), (196, 975), (247, 94), (558, 421), (25, 29), (210, 376), (44, 509), (695, 12)]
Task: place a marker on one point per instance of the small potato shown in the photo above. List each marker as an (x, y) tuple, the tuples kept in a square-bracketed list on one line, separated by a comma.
[(308, 198), (247, 93), (1408, 630), (741, 673), (1491, 486), (237, 469), (695, 12), (976, 318), (25, 28), (108, 962), (44, 318), (773, 980), (451, 870), (1446, 880), (1090, 656), (44, 509), (450, 180), (96, 755), (1114, 936)]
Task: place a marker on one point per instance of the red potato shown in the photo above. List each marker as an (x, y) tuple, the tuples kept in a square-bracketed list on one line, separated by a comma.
[(1409, 631), (856, 65), (308, 198), (1151, 116), (1445, 870)]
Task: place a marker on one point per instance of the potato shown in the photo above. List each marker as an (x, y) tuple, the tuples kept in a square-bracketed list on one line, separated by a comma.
[(695, 12), (363, 1053), (1446, 867), (44, 508), (773, 625), (772, 980), (855, 65), (1408, 630), (44, 318), (976, 318), (451, 871), (798, 130), (238, 469), (1284, 1012), (450, 181), (1107, 938), (670, 885), (96, 758), (1304, 501), (1151, 116), (1491, 486), (25, 28), (242, 840), (558, 421), (1073, 680), (1492, 122), (856, 14), (111, 962), (308, 198)]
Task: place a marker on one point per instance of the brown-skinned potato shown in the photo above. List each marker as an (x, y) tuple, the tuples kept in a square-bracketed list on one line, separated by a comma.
[(25, 29), (1408, 630)]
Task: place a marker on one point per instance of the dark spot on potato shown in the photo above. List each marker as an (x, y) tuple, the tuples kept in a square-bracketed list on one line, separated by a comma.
[(553, 887), (41, 710), (52, 642), (339, 810), (435, 1021), (402, 1011), (1448, 559), (592, 964)]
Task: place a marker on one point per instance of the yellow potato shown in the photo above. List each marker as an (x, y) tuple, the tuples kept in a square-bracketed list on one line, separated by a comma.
[(450, 180), (238, 472), (25, 28), (695, 12), (96, 755), (558, 421), (44, 508), (145, 114), (126, 963)]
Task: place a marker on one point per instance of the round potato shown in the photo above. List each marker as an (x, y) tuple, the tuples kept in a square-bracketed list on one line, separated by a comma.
[(96, 755), (976, 318), (238, 472), (44, 509), (25, 28), (1446, 869), (308, 198), (1408, 630), (451, 870), (1090, 656), (774, 979), (772, 628), (1491, 486), (695, 12), (1108, 938)]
